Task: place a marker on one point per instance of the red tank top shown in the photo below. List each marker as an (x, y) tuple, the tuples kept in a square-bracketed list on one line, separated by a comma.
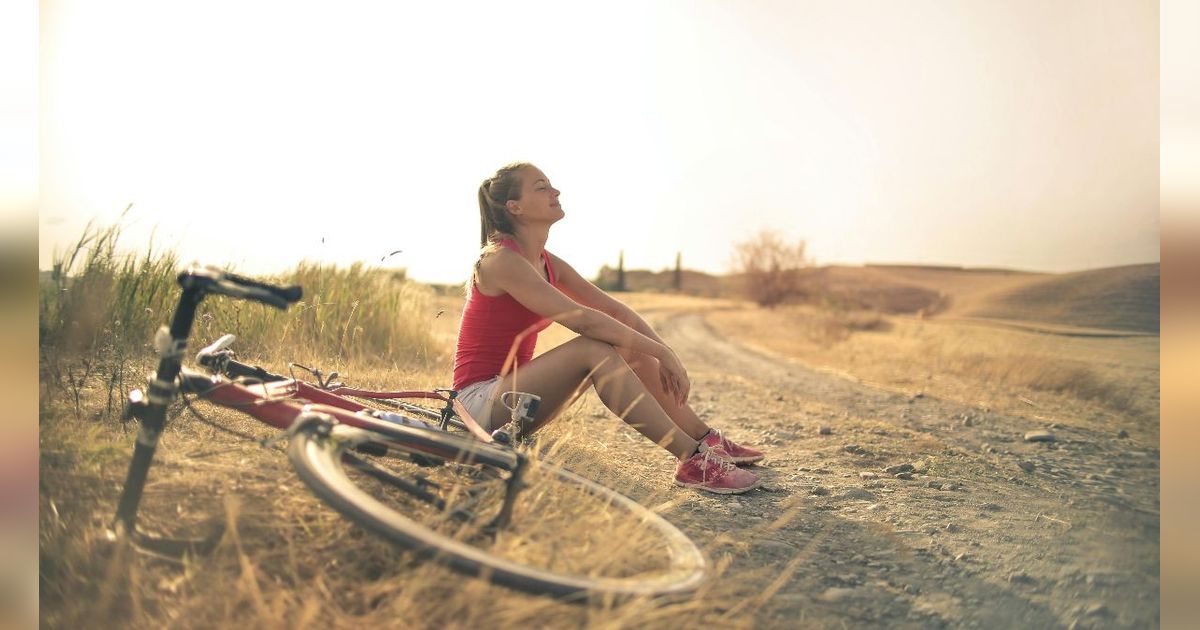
[(490, 325)]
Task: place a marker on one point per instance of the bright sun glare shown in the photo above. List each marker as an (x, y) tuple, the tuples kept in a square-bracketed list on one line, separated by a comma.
[(259, 134)]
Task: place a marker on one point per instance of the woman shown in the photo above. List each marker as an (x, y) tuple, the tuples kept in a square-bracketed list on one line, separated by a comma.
[(518, 288)]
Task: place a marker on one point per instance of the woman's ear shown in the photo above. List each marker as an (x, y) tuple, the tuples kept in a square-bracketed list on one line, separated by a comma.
[(512, 206)]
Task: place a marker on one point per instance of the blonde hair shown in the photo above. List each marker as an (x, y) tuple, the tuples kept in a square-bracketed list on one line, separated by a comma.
[(494, 221), (494, 194)]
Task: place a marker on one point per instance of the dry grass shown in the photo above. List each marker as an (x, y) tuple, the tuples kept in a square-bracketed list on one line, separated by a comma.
[(285, 559), (995, 367), (99, 306)]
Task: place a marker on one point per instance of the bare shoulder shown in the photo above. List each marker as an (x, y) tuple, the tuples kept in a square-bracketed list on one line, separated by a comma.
[(495, 267)]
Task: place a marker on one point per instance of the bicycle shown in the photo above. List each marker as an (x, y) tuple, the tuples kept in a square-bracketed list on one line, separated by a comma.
[(479, 507), (218, 358)]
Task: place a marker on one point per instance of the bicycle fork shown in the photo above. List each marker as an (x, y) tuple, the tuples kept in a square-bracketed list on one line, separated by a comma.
[(151, 409)]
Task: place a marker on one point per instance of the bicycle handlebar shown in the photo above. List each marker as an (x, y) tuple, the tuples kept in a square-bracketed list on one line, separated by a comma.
[(212, 280)]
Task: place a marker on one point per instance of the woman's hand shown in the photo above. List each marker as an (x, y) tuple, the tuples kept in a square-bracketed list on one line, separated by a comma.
[(674, 377)]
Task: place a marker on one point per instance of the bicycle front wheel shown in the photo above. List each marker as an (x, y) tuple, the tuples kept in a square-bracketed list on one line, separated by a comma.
[(547, 531)]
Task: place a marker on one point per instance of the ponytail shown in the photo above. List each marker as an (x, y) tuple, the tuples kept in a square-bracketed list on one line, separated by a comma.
[(494, 194)]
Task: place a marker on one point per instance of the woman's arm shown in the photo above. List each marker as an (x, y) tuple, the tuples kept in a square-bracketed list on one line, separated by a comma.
[(509, 272), (584, 292), (512, 274)]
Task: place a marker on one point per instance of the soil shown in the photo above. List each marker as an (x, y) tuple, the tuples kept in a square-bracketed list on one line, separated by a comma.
[(887, 509), (881, 506)]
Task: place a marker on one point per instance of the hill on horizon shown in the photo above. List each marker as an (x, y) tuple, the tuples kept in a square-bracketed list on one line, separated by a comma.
[(1116, 298), (1119, 298)]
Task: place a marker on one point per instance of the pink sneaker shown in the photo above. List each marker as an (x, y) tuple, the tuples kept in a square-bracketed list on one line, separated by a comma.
[(705, 471), (720, 446)]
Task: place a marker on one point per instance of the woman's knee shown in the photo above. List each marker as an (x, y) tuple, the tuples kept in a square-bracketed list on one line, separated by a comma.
[(636, 359), (596, 354)]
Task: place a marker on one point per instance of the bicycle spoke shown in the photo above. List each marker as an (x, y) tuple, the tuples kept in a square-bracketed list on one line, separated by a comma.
[(536, 529)]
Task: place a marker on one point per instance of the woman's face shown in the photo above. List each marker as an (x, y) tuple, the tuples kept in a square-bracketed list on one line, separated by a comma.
[(539, 200)]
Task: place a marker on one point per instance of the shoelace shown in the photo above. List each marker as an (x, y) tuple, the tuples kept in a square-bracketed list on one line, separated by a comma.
[(722, 442), (724, 465)]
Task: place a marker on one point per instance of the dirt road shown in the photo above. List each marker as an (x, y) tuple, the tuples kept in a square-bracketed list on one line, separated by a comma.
[(909, 511)]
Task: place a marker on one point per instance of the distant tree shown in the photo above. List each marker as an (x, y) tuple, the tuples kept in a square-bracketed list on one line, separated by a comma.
[(677, 280), (621, 271), (771, 267)]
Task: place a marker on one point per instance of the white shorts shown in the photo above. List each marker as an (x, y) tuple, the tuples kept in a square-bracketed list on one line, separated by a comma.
[(478, 398)]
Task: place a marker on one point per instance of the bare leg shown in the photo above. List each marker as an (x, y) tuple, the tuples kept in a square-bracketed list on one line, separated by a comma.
[(559, 375), (646, 367)]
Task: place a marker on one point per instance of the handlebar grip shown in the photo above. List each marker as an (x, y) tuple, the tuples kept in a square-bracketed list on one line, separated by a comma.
[(288, 294), (214, 280), (268, 297)]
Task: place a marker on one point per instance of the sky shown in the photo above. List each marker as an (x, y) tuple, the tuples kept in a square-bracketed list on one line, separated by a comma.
[(251, 134)]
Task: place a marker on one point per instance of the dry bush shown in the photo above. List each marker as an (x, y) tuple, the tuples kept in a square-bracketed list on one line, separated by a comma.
[(772, 268), (834, 326), (1045, 374), (1084, 383), (826, 327)]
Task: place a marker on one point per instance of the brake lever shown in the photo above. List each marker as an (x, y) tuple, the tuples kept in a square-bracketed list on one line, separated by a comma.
[(217, 353)]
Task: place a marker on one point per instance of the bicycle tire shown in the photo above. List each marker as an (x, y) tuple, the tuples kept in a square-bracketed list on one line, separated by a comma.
[(318, 453)]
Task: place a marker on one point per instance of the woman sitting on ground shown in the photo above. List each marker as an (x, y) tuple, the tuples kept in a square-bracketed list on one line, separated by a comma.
[(518, 288)]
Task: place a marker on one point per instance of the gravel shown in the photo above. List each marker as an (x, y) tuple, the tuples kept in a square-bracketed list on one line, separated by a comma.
[(858, 494), (1039, 436), (1021, 577)]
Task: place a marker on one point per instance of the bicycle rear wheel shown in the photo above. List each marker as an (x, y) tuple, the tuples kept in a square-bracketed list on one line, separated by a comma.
[(558, 534)]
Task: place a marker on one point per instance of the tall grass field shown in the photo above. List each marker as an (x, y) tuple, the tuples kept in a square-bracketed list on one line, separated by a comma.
[(285, 560), (100, 305)]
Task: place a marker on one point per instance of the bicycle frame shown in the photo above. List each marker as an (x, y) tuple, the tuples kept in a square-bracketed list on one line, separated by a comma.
[(219, 360), (281, 403), (277, 403)]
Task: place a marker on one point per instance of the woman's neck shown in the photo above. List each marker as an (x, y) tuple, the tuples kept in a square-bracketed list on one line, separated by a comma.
[(533, 242)]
